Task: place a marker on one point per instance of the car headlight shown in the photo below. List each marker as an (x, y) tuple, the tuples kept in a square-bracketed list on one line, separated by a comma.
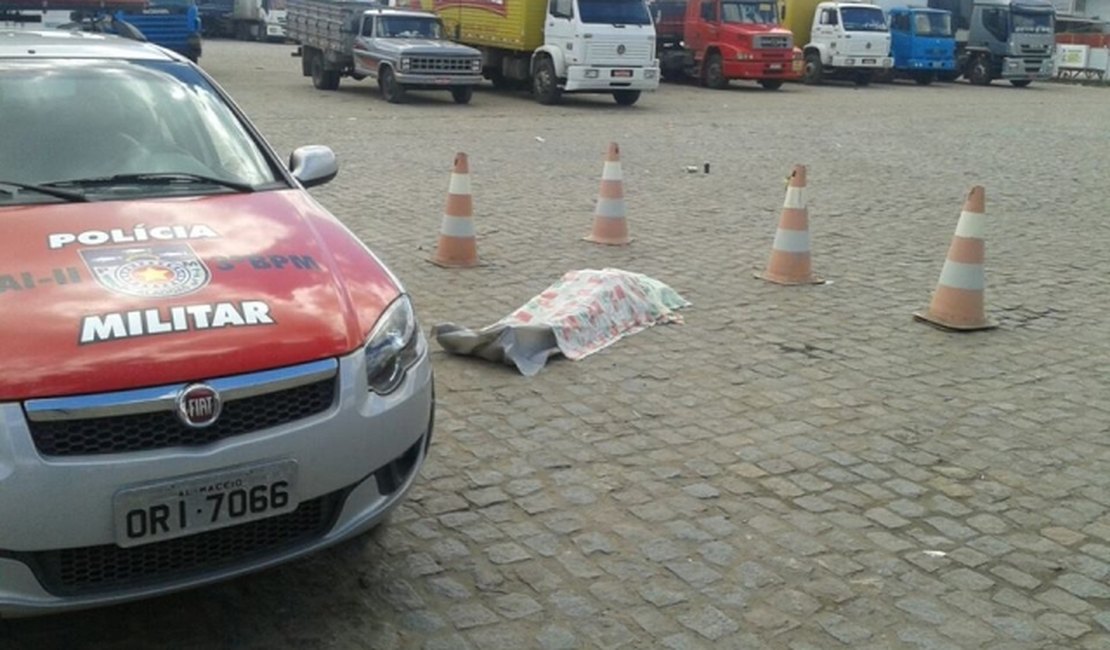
[(392, 347), (406, 64), (476, 65)]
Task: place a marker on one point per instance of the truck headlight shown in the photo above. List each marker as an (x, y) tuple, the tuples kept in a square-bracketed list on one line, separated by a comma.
[(649, 74), (406, 64), (392, 347), (744, 56), (592, 74)]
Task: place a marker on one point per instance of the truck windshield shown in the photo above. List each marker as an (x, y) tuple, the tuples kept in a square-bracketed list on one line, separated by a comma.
[(1032, 23), (614, 12), (862, 19), (759, 13), (409, 27), (928, 24)]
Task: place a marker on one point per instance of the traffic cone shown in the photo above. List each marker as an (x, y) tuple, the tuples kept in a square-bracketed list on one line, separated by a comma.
[(957, 302), (457, 246), (790, 263), (610, 226)]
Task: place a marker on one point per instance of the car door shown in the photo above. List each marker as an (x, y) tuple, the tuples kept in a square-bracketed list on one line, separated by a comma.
[(365, 58), (560, 25)]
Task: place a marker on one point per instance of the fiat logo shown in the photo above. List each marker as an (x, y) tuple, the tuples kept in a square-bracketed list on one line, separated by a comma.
[(620, 49), (199, 405)]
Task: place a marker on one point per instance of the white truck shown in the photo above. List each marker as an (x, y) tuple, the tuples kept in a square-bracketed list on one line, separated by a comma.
[(845, 40), (559, 46)]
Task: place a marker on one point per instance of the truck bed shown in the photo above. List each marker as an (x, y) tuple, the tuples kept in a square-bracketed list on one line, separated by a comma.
[(320, 23)]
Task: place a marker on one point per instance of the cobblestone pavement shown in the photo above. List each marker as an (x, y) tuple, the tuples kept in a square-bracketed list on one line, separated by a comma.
[(791, 468)]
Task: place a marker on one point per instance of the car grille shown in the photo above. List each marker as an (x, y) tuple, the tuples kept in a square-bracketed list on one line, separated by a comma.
[(162, 429), (94, 569), (773, 42), (438, 64)]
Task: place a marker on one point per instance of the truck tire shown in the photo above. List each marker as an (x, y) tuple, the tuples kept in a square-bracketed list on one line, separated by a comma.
[(545, 84), (392, 91), (978, 72), (462, 94), (1021, 83), (322, 78), (713, 73), (626, 97), (923, 78), (812, 72), (771, 84)]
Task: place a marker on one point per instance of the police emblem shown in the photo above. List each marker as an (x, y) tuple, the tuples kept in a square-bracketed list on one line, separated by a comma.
[(157, 271)]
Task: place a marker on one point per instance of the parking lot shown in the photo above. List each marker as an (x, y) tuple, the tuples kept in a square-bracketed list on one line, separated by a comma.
[(792, 467)]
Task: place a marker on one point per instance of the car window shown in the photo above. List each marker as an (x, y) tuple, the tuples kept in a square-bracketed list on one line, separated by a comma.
[(83, 119)]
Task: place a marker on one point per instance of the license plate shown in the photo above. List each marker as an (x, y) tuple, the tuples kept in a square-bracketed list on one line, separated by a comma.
[(621, 73), (774, 66), (194, 504), (872, 61)]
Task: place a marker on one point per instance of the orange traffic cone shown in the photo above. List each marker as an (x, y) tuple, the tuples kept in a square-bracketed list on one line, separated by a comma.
[(457, 246), (610, 226), (958, 299), (790, 263)]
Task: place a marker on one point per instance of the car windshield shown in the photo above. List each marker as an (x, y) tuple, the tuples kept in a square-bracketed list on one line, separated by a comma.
[(409, 27), (76, 123), (1032, 23), (930, 24), (759, 13), (862, 19), (614, 12)]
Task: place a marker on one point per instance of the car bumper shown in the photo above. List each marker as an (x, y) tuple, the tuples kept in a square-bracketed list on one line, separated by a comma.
[(597, 79), (356, 461), (438, 81), (862, 61), (777, 69)]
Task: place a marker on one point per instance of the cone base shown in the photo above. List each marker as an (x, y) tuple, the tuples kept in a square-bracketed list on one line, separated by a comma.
[(619, 241), (791, 282), (930, 319), (449, 264)]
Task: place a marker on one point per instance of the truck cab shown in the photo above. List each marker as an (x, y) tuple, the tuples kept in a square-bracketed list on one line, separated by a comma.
[(1003, 39), (847, 40), (922, 43), (724, 40), (173, 24)]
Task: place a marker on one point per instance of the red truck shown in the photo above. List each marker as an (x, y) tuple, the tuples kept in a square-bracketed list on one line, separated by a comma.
[(716, 41)]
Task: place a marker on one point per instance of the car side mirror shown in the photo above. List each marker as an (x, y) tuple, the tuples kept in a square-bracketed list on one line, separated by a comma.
[(313, 165)]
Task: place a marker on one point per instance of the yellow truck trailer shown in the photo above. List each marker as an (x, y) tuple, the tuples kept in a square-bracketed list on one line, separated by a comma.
[(797, 16), (567, 46)]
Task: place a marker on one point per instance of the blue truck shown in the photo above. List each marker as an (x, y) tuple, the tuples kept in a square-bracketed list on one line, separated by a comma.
[(173, 24), (922, 43)]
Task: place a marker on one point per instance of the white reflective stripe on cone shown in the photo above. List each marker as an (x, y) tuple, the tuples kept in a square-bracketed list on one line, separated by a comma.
[(791, 241), (971, 225), (611, 171), (794, 198), (460, 184), (611, 208), (963, 276), (457, 227)]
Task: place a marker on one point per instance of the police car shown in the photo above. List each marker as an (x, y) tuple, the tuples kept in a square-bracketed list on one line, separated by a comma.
[(205, 373)]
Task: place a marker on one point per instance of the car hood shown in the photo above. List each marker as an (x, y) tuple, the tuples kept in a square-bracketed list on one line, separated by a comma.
[(427, 46), (115, 295)]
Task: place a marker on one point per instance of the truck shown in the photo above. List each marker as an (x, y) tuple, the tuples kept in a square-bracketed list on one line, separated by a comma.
[(402, 49), (567, 46), (172, 24), (1003, 39), (846, 40), (245, 20), (716, 41), (922, 43)]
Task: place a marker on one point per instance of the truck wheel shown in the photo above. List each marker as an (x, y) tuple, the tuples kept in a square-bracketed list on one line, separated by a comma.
[(322, 78), (626, 97), (462, 95), (392, 91), (1021, 83), (714, 73), (923, 78), (545, 85), (978, 73), (771, 84), (811, 74), (863, 78)]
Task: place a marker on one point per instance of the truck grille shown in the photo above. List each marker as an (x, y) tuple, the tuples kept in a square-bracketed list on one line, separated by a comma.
[(440, 64), (607, 53), (96, 569), (162, 429), (773, 42)]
